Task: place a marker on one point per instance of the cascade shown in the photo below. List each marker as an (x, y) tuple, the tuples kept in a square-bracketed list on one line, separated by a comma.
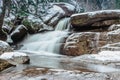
[(62, 24), (49, 41)]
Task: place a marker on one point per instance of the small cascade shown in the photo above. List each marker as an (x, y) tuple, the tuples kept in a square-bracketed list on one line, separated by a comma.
[(48, 42), (62, 24)]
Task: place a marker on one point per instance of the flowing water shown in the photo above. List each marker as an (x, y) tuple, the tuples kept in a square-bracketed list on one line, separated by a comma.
[(48, 42), (63, 24), (44, 50)]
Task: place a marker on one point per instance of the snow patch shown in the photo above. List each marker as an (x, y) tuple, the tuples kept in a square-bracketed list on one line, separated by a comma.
[(106, 56), (33, 19), (57, 8), (11, 55), (96, 12), (10, 18), (70, 7)]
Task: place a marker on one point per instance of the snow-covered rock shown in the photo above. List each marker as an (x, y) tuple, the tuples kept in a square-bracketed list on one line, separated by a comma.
[(15, 57), (96, 19), (4, 47), (35, 25), (58, 11)]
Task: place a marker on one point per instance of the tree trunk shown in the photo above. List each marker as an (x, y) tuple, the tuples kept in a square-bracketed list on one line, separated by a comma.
[(2, 15)]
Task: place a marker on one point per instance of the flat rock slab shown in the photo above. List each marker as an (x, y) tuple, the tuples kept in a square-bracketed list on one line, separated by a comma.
[(95, 19), (57, 74)]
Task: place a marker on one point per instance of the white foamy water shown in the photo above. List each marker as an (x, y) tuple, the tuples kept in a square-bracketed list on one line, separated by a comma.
[(63, 24), (49, 42)]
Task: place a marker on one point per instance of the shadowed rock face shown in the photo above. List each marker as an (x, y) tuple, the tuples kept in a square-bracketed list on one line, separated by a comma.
[(3, 35), (19, 33), (96, 19)]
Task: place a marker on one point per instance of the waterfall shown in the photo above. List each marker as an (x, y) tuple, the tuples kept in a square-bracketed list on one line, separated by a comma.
[(62, 24), (48, 42)]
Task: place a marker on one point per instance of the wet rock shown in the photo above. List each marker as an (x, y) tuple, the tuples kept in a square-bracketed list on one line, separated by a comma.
[(96, 19), (4, 64), (15, 58), (55, 74), (19, 33), (81, 43), (4, 47)]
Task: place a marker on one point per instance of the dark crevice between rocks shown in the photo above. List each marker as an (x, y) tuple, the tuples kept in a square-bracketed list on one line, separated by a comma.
[(91, 29)]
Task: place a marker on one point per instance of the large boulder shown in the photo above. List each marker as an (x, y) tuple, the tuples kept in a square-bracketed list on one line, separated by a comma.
[(18, 33), (91, 42), (15, 58), (96, 19), (81, 43), (58, 11)]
